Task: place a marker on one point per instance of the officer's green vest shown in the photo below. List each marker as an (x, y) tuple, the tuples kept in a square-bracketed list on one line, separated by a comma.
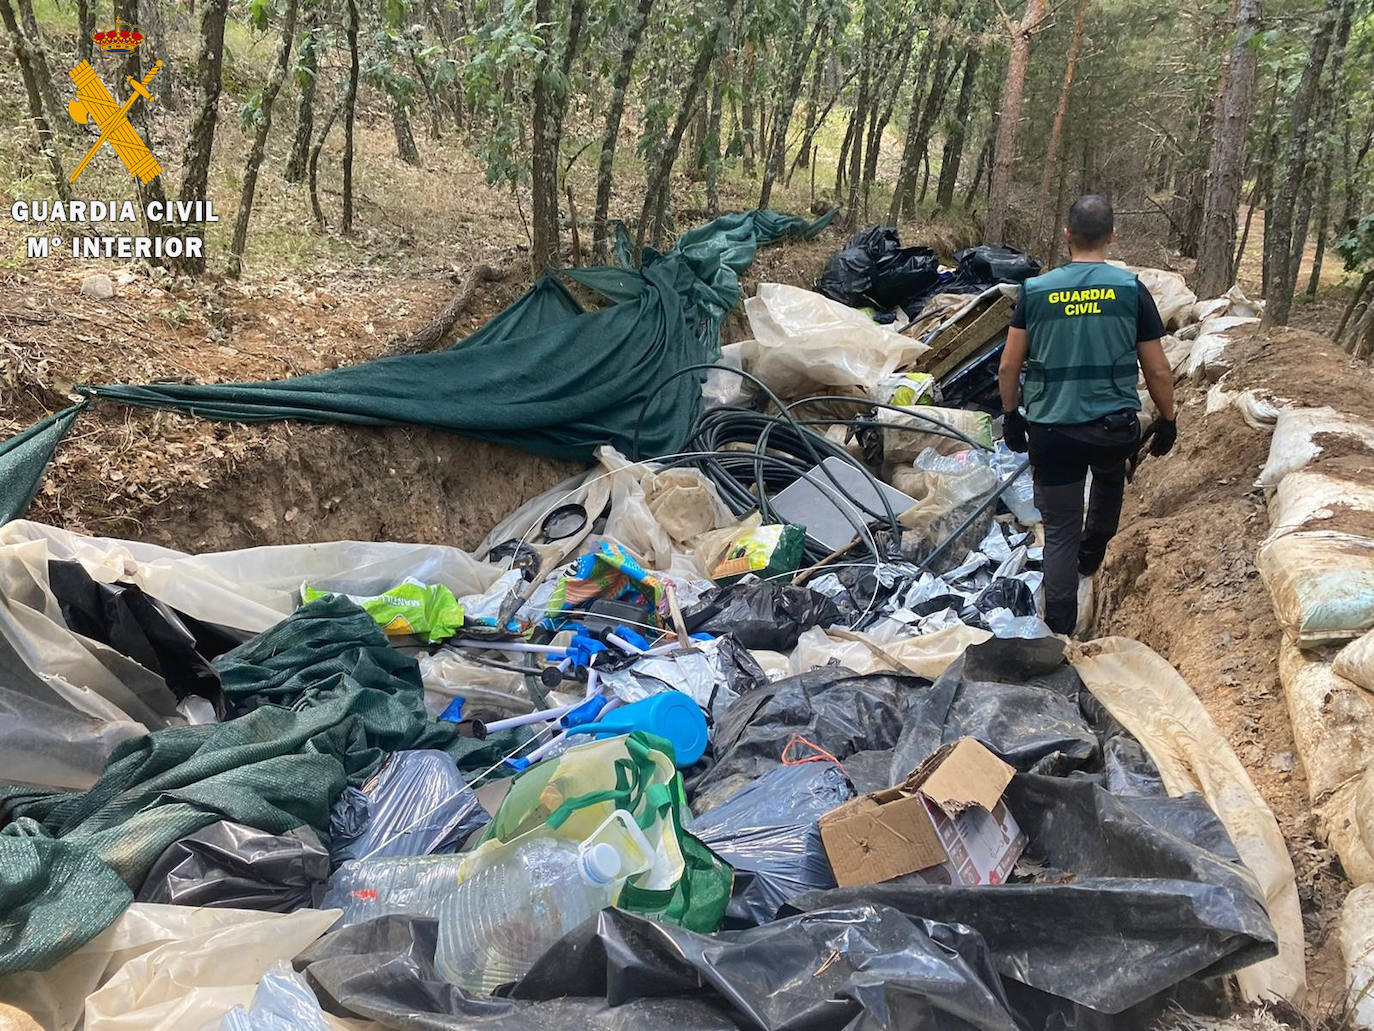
[(1081, 327)]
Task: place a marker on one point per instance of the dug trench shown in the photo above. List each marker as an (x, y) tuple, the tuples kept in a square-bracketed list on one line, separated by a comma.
[(1180, 576)]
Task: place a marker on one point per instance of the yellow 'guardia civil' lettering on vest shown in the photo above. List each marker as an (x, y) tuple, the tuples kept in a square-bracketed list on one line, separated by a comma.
[(1082, 302)]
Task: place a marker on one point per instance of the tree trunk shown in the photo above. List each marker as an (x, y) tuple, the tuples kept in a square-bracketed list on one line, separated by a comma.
[(1328, 104), (880, 116), (350, 105), (954, 142), (656, 196), (153, 28), (431, 98), (200, 139), (782, 119), (307, 74), (1008, 124), (259, 148), (746, 109), (930, 111), (1045, 217), (713, 144), (544, 154), (38, 54), (808, 141), (1351, 305), (978, 170), (313, 162), (1215, 273), (907, 168), (856, 150), (1279, 220), (131, 67), (46, 144), (843, 163), (813, 104), (605, 166), (85, 25)]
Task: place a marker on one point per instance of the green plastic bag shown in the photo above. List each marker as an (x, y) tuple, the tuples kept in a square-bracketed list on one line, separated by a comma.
[(411, 608), (569, 796), (767, 551)]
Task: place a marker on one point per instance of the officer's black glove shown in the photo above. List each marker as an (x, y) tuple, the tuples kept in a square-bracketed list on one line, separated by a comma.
[(1165, 433), (1014, 431)]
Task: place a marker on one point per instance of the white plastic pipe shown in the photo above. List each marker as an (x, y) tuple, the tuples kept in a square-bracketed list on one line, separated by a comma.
[(510, 646), (539, 716)]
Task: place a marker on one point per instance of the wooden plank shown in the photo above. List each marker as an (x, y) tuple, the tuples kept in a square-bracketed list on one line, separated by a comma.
[(954, 344)]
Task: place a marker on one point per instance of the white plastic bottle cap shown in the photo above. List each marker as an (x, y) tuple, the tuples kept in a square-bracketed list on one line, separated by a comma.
[(601, 863)]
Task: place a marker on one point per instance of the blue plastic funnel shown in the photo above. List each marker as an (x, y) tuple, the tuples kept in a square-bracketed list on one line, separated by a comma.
[(670, 715)]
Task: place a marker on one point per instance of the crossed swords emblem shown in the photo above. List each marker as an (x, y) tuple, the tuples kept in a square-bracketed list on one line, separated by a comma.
[(94, 103)]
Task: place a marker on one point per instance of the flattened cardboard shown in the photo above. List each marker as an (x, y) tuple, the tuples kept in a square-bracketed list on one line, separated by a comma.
[(946, 820)]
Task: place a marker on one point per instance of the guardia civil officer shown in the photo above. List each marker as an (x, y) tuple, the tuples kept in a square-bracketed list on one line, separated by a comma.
[(1080, 332)]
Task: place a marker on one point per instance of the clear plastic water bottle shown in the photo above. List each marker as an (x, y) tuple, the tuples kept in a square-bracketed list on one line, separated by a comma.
[(494, 925), (410, 885)]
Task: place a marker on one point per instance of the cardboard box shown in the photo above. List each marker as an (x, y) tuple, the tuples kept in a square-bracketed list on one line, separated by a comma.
[(947, 820)]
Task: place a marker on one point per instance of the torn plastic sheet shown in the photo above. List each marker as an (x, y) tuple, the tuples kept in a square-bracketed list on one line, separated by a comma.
[(761, 613), (866, 967), (767, 832), (713, 673), (415, 805), (282, 1002), (135, 625), (1134, 895), (1017, 697), (230, 866), (832, 707)]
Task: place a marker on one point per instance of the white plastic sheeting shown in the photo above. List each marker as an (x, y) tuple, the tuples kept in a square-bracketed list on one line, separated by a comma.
[(164, 968), (1355, 662), (926, 656), (1293, 445), (68, 700), (1321, 578), (1152, 701), (256, 588), (805, 343), (1333, 728), (1208, 357), (1357, 946)]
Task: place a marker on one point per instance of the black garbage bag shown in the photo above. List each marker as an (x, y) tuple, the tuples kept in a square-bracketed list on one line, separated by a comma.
[(876, 241), (848, 277), (832, 707), (905, 278), (862, 967), (986, 264), (761, 613), (1133, 895), (383, 971), (229, 866), (767, 833), (137, 625), (1006, 592), (1018, 697)]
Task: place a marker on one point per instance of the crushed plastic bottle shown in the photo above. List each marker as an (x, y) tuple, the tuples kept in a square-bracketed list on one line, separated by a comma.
[(408, 885), (494, 925)]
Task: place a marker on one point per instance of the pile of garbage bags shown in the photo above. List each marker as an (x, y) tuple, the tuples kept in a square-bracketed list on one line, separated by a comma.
[(765, 734)]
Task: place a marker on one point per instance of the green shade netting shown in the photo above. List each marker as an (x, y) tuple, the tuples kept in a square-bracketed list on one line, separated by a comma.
[(545, 375), (25, 456), (325, 698)]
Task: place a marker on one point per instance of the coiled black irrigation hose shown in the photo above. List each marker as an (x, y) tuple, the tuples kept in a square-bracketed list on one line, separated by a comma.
[(750, 456)]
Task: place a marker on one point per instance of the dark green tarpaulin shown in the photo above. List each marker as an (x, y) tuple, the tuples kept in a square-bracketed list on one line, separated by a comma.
[(25, 456), (545, 375), (325, 698)]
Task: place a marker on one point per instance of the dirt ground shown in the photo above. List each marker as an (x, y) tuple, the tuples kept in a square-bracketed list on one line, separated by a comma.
[(1180, 577)]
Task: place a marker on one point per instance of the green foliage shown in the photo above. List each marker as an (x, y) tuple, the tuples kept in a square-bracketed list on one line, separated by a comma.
[(1357, 247)]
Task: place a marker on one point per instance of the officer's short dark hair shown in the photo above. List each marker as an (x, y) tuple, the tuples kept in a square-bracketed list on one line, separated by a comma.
[(1091, 220)]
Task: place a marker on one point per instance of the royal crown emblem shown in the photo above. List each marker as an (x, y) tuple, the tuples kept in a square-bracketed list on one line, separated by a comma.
[(118, 39)]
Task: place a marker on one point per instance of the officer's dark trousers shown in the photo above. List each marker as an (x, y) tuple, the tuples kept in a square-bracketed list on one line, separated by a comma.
[(1060, 459)]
